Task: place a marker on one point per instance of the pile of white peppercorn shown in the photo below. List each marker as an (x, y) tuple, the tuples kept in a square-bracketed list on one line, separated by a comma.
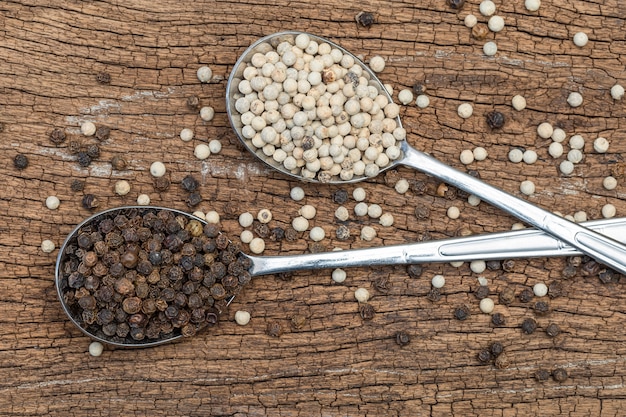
[(313, 110)]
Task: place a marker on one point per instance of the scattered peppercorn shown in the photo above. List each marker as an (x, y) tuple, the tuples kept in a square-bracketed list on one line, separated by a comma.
[(161, 183), (482, 291), (93, 151), (77, 185), (57, 136), (569, 271), (103, 77), (382, 284), (418, 187), (606, 276), (496, 348), (402, 338), (529, 325), (414, 270), (274, 329), (298, 321), (102, 133), (541, 308), (419, 88), (484, 356), (502, 362), (366, 311), (508, 265), (83, 159), (90, 201), (342, 232), (555, 289), (118, 163), (189, 183), (480, 31), (495, 119), (74, 147), (422, 212), (434, 295), (461, 313), (553, 330), (277, 234), (526, 295), (590, 268), (20, 161), (456, 4), (498, 319), (494, 265), (340, 196), (559, 375), (507, 295), (193, 102), (365, 19), (542, 375)]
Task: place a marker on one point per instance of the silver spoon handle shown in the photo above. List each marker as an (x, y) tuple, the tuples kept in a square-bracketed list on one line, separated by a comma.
[(504, 245), (604, 250)]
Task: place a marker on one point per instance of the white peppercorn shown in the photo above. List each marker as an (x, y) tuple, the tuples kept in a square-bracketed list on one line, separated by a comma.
[(518, 226), (246, 219), (362, 295), (575, 156), (338, 275), (300, 224), (47, 246), (470, 21), (532, 5), (122, 187), (530, 156), (296, 194), (466, 157), (360, 209), (186, 134), (53, 202), (495, 23), (242, 317), (374, 211), (558, 135), (575, 99), (482, 281), (246, 236), (609, 183), (527, 187), (545, 130), (212, 217), (480, 153), (540, 289), (518, 102), (465, 110), (453, 212), (422, 101), (307, 211), (487, 305), (207, 113), (264, 216), (204, 74), (157, 169), (199, 214), (202, 151), (456, 264), (490, 48), (580, 39), (342, 213), (601, 145), (317, 233), (215, 146), (516, 155), (88, 129), (405, 96), (473, 200), (401, 186), (257, 245), (438, 281), (580, 216), (143, 199), (576, 142), (555, 150), (368, 233), (487, 8), (478, 267), (386, 220), (608, 211), (617, 92), (377, 63), (566, 167), (96, 349), (358, 194)]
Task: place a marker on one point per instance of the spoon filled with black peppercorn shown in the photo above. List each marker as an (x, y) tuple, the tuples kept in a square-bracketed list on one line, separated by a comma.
[(310, 109), (141, 276)]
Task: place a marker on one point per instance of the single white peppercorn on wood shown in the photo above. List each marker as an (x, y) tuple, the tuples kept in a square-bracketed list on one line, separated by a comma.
[(532, 5), (204, 74), (264, 216), (342, 213), (246, 219), (453, 212), (122, 187), (558, 135), (257, 245), (575, 99), (307, 211), (601, 145), (490, 48), (157, 169), (143, 199), (47, 246), (527, 187), (202, 151), (212, 217), (487, 305), (207, 113), (338, 275), (518, 102), (88, 129), (186, 134), (516, 155), (386, 220), (422, 101), (402, 186), (362, 295), (487, 8), (53, 202), (377, 63), (617, 92), (545, 130), (478, 267), (242, 317), (540, 289), (438, 281), (296, 194), (96, 349), (609, 183), (495, 23), (465, 110), (300, 224), (246, 236), (470, 21), (608, 211), (368, 233), (317, 234), (580, 39), (405, 96), (466, 157)]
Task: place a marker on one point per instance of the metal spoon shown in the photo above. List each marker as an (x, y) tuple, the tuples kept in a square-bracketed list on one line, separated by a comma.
[(506, 245), (602, 248)]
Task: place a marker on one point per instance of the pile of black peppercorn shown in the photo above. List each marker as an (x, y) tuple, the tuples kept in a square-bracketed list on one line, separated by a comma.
[(145, 275)]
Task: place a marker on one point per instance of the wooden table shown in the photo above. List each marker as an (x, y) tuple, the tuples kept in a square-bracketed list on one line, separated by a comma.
[(334, 362)]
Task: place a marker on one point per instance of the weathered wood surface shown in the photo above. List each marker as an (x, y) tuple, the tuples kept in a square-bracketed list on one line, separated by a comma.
[(337, 363)]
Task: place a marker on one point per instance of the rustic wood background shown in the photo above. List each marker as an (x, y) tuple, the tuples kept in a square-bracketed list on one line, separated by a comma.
[(335, 363)]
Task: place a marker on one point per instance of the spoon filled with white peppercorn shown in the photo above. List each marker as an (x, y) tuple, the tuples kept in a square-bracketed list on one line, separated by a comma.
[(141, 276), (310, 109)]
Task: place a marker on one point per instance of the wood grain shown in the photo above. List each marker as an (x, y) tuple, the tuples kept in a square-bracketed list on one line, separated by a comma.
[(336, 363)]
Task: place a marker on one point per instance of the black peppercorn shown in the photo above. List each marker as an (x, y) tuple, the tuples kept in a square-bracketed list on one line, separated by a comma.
[(277, 234), (590, 268), (526, 295), (365, 19), (382, 284), (193, 199), (118, 163), (342, 232), (529, 325), (507, 295), (559, 375), (553, 330), (102, 133), (508, 265), (193, 102), (542, 375), (419, 88), (495, 119), (456, 4), (77, 185), (461, 313), (414, 271), (93, 151), (274, 329), (498, 319), (496, 349), (494, 265), (103, 77), (482, 291), (555, 289), (340, 196), (90, 201), (541, 308), (434, 295), (569, 271), (189, 183), (291, 234), (161, 183), (366, 311), (422, 212), (484, 356), (57, 136), (402, 338), (606, 276), (20, 161), (502, 362), (83, 159)]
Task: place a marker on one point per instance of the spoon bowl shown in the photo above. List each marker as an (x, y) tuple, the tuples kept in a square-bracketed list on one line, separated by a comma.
[(240, 89)]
